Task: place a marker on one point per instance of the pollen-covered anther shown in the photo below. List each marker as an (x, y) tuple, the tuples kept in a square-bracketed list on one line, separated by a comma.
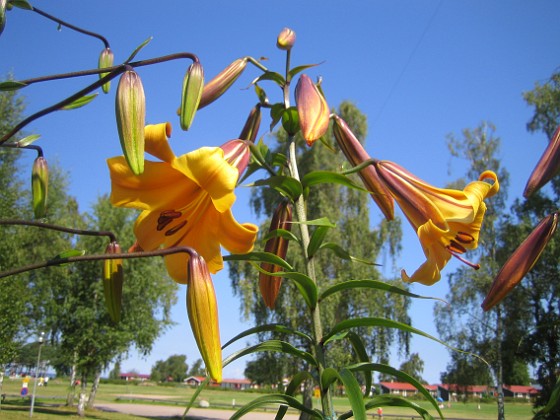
[(167, 217), (464, 238), (176, 229)]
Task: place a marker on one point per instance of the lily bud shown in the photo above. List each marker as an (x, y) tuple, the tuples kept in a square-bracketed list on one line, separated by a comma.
[(547, 167), (312, 109), (286, 39), (106, 59), (356, 154), (222, 82), (130, 109), (521, 261), (202, 309), (270, 285), (113, 282), (3, 4), (252, 125), (237, 153), (40, 186), (192, 90)]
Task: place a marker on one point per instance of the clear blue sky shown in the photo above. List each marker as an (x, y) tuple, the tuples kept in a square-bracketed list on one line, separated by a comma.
[(418, 69)]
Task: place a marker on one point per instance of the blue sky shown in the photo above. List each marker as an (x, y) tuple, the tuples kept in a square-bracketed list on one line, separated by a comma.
[(418, 69)]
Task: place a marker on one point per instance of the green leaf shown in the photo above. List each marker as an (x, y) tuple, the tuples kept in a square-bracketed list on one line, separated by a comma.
[(267, 257), (293, 387), (11, 85), (371, 284), (138, 48), (27, 140), (286, 185), (268, 327), (362, 354), (317, 239), (199, 388), (353, 393), (276, 112), (282, 233), (391, 401), (553, 400), (290, 121), (274, 399), (323, 221), (401, 376), (80, 102), (299, 69), (272, 345), (351, 386), (271, 75), (261, 94), (323, 177), (22, 4), (63, 256), (387, 323), (345, 255)]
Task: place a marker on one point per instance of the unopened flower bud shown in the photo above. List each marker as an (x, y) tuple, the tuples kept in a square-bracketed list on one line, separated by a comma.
[(106, 59), (222, 82), (3, 4), (130, 109), (547, 167), (356, 154), (270, 285), (40, 186), (192, 91), (237, 153), (313, 110), (286, 39), (521, 261), (113, 282), (202, 309), (252, 125)]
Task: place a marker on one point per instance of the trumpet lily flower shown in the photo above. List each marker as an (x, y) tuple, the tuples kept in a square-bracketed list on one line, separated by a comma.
[(185, 201), (447, 221)]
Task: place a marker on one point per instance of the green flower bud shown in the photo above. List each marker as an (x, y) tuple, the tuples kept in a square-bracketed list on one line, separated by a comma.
[(130, 108), (40, 186), (202, 309), (113, 282), (193, 84), (106, 59), (286, 39)]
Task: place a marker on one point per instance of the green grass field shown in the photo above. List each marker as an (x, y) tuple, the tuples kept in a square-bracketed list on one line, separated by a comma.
[(50, 400)]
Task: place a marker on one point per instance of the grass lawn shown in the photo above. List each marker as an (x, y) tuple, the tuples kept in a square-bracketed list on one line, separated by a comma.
[(49, 402)]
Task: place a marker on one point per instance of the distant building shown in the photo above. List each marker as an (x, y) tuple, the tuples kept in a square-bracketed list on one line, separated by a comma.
[(404, 389), (132, 376), (237, 384), (520, 391)]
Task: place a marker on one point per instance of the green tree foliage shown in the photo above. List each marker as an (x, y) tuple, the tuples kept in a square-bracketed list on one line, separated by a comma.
[(174, 369), (197, 369), (538, 295), (462, 323), (413, 366), (354, 233), (12, 290)]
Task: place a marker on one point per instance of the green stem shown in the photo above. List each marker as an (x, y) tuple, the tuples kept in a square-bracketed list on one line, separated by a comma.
[(300, 208)]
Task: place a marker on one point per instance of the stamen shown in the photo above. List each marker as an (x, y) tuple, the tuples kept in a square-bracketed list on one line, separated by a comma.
[(175, 229), (464, 238), (463, 260), (455, 247), (166, 217)]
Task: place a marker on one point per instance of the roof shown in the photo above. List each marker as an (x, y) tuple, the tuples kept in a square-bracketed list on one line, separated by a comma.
[(521, 389), (236, 381), (399, 386), (468, 388)]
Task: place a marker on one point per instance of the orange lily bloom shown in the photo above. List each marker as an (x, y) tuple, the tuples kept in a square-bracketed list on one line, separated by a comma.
[(447, 221), (185, 201)]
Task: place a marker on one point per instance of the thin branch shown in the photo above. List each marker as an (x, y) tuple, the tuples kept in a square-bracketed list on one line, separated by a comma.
[(38, 149), (97, 257), (73, 27), (59, 228)]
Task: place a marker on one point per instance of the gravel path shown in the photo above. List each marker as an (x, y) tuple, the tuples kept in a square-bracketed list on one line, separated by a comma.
[(163, 411)]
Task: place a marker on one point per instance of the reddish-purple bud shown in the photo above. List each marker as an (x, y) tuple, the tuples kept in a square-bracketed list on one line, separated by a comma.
[(547, 167), (237, 153), (313, 110)]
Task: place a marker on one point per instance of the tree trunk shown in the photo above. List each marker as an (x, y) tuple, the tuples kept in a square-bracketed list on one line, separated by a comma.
[(72, 389), (499, 365), (307, 400), (94, 387), (82, 399)]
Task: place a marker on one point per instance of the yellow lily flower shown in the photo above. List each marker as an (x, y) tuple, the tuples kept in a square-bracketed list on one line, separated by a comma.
[(447, 221), (185, 201)]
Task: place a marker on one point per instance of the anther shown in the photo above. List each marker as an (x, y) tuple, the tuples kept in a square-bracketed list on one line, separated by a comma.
[(175, 229)]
